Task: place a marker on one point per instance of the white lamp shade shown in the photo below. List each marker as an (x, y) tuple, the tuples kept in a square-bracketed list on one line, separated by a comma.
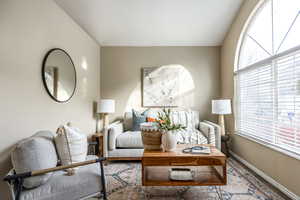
[(221, 107), (106, 106)]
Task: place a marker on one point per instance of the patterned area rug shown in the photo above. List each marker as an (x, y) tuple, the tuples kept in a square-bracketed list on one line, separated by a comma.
[(124, 182)]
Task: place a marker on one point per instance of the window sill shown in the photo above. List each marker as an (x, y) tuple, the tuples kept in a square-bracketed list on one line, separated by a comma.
[(270, 146)]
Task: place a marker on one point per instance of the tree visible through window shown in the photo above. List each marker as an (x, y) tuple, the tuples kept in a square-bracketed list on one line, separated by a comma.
[(267, 76)]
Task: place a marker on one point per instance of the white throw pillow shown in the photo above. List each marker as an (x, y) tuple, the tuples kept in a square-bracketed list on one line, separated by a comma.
[(71, 145)]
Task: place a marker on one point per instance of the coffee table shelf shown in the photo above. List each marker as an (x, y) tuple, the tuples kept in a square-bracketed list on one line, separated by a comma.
[(209, 169)]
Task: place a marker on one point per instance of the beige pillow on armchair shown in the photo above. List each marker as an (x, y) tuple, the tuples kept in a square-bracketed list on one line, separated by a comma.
[(71, 145)]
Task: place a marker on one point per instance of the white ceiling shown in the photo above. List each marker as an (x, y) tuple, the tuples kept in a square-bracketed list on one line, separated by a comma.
[(154, 22)]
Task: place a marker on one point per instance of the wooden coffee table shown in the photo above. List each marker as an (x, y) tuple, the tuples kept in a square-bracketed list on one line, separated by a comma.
[(209, 169)]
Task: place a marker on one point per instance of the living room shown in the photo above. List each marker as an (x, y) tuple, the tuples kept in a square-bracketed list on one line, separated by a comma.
[(169, 99)]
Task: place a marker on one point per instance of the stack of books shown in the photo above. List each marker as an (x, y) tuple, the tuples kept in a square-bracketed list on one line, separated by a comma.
[(198, 150)]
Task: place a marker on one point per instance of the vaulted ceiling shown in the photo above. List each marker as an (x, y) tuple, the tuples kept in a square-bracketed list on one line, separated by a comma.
[(154, 22)]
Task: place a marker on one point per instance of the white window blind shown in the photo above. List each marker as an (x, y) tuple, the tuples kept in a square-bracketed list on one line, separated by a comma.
[(268, 101), (287, 129), (256, 102), (267, 76)]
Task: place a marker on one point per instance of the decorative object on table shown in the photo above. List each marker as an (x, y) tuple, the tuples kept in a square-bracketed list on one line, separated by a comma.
[(59, 75), (181, 174), (197, 150), (138, 118), (225, 139), (71, 146), (105, 107), (221, 107), (98, 138), (168, 129), (151, 136), (169, 140), (160, 85)]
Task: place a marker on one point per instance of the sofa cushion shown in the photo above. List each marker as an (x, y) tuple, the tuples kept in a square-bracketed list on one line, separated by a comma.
[(85, 182), (35, 153), (129, 139), (138, 118), (189, 119), (127, 121)]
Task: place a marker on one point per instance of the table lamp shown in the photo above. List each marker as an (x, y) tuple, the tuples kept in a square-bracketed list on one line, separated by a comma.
[(105, 107), (221, 107)]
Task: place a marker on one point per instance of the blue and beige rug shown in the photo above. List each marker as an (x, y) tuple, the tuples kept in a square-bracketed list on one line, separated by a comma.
[(124, 182)]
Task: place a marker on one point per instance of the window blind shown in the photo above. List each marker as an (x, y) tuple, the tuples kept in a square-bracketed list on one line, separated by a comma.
[(268, 101)]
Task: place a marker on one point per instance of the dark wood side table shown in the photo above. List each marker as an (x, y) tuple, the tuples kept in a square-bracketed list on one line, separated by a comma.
[(98, 137), (225, 140)]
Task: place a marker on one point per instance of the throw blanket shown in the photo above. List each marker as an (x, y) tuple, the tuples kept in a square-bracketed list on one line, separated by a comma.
[(191, 135)]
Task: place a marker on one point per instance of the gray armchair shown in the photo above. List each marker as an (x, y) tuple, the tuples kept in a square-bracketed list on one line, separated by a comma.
[(88, 180)]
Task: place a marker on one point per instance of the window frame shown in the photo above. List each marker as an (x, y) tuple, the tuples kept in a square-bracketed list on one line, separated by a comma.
[(261, 63)]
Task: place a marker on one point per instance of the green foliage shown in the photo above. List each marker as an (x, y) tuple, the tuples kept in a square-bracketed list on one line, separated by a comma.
[(164, 121)]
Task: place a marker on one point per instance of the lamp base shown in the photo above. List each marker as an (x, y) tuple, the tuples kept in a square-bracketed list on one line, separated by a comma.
[(97, 123), (222, 124), (105, 121)]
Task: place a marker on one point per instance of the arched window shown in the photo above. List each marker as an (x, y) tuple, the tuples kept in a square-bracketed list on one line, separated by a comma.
[(267, 76)]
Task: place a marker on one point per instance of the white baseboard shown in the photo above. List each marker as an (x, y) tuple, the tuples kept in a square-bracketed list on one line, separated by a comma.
[(267, 178)]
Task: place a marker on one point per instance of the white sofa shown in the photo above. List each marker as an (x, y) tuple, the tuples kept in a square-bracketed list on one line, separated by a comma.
[(120, 143)]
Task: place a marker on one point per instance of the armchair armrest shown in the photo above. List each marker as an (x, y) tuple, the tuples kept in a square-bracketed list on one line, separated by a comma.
[(217, 133), (18, 179), (44, 171)]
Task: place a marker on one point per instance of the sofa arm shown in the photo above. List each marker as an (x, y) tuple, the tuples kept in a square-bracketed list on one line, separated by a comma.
[(209, 132), (113, 132), (217, 133)]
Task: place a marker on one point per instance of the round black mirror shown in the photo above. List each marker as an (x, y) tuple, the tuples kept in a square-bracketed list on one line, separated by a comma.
[(59, 75)]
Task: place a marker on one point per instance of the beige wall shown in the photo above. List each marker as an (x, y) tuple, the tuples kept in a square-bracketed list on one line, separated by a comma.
[(28, 29), (280, 167), (121, 74)]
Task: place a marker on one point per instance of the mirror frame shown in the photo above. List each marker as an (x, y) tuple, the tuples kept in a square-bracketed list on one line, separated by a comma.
[(44, 80)]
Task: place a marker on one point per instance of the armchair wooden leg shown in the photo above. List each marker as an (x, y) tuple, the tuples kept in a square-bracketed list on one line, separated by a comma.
[(105, 162), (103, 189), (18, 187)]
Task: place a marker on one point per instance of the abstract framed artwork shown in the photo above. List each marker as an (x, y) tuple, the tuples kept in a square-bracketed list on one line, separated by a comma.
[(160, 86)]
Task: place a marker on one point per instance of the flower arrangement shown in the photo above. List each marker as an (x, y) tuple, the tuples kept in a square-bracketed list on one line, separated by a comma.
[(164, 121)]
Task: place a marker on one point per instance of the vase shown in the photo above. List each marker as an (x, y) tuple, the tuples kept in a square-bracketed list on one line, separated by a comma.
[(169, 140)]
